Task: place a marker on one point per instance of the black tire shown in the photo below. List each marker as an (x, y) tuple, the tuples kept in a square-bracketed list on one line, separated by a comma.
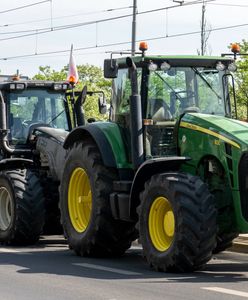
[(22, 198), (219, 187), (224, 241), (189, 244), (102, 235), (52, 217)]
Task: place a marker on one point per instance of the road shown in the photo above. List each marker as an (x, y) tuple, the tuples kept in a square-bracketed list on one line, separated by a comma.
[(51, 271)]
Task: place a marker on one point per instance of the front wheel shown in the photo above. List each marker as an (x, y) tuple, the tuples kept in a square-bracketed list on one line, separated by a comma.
[(22, 211), (86, 215), (177, 222)]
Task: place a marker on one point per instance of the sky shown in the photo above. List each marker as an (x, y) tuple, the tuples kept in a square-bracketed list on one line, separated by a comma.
[(171, 24)]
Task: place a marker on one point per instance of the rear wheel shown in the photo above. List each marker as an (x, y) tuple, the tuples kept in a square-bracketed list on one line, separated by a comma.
[(177, 222), (85, 207), (21, 207), (212, 173)]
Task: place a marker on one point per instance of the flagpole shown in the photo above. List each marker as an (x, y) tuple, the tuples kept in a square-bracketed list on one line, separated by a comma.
[(72, 78)]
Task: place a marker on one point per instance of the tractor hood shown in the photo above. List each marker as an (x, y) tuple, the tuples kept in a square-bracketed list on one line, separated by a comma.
[(229, 130)]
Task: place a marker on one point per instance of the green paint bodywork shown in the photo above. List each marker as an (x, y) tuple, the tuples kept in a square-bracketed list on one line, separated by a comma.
[(209, 137), (114, 137), (199, 145)]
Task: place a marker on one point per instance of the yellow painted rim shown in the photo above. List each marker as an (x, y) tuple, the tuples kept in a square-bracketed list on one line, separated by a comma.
[(79, 200), (161, 224)]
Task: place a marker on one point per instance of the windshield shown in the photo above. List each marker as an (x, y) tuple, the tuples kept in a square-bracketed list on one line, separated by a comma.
[(173, 92), (35, 106)]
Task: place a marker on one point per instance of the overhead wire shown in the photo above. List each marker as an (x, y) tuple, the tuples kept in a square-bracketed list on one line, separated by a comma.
[(39, 31), (24, 6), (67, 16), (122, 43), (62, 27)]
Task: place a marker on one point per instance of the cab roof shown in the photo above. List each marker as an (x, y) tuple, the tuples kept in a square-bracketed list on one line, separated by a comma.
[(179, 61)]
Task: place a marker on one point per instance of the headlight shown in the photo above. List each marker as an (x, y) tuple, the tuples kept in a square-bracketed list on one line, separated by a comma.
[(220, 66), (65, 87), (232, 67), (12, 86), (152, 67), (165, 66), (20, 86), (57, 86)]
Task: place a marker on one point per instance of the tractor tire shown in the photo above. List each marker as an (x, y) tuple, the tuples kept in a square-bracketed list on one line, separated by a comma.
[(218, 186), (224, 241), (22, 210), (177, 222), (52, 224), (86, 215)]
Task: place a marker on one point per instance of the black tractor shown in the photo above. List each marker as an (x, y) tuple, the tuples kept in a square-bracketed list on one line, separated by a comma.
[(35, 118)]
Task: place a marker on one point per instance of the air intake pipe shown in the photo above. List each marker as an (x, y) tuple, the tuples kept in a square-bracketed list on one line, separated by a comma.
[(135, 117)]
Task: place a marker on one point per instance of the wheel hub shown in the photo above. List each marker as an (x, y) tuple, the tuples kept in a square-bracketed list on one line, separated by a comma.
[(5, 208), (79, 200), (161, 224)]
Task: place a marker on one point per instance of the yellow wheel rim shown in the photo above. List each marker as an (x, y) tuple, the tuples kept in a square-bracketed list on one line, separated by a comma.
[(161, 224), (79, 200)]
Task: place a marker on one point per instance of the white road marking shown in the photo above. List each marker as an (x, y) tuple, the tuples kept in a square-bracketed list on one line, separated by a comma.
[(226, 291), (102, 268), (179, 278), (224, 261), (8, 250)]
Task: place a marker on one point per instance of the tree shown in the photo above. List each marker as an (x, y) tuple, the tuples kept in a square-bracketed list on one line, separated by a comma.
[(89, 75), (241, 81)]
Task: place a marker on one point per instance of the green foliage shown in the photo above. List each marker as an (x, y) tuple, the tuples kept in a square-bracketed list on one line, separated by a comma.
[(241, 81), (89, 75)]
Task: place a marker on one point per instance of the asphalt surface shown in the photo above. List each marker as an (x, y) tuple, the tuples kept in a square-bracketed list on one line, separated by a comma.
[(51, 271)]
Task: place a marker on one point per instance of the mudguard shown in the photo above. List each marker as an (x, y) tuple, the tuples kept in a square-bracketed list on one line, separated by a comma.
[(100, 133), (148, 169), (15, 163)]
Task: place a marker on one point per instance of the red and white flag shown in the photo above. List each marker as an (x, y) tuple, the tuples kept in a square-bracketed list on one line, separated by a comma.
[(72, 76)]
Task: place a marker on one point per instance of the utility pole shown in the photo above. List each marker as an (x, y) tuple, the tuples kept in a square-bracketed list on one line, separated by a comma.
[(134, 27), (203, 28)]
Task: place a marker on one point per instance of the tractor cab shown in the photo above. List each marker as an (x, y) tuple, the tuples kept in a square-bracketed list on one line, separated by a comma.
[(28, 105), (171, 86)]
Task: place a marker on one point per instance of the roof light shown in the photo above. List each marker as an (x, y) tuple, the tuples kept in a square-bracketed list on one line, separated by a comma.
[(220, 66), (232, 67), (143, 46), (20, 86), (65, 86), (152, 67), (72, 79), (16, 77), (57, 86), (165, 66), (235, 48)]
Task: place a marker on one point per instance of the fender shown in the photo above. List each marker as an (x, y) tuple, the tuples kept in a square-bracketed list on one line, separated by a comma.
[(82, 132), (148, 169), (15, 163)]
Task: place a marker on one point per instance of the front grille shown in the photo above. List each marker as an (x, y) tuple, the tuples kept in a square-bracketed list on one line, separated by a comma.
[(162, 140), (243, 184)]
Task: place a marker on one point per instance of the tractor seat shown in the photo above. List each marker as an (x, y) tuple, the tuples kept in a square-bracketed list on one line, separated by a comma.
[(159, 110)]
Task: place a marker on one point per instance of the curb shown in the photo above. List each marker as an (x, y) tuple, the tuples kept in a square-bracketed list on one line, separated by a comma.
[(240, 244)]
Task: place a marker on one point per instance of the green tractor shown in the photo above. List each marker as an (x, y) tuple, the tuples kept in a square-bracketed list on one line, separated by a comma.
[(170, 166)]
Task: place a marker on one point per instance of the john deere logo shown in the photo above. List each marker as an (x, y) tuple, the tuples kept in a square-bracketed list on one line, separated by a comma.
[(217, 142)]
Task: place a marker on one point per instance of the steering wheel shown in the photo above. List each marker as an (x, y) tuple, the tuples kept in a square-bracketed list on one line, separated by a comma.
[(33, 126)]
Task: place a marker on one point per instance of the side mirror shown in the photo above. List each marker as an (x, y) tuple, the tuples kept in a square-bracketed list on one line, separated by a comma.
[(102, 105), (110, 68)]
